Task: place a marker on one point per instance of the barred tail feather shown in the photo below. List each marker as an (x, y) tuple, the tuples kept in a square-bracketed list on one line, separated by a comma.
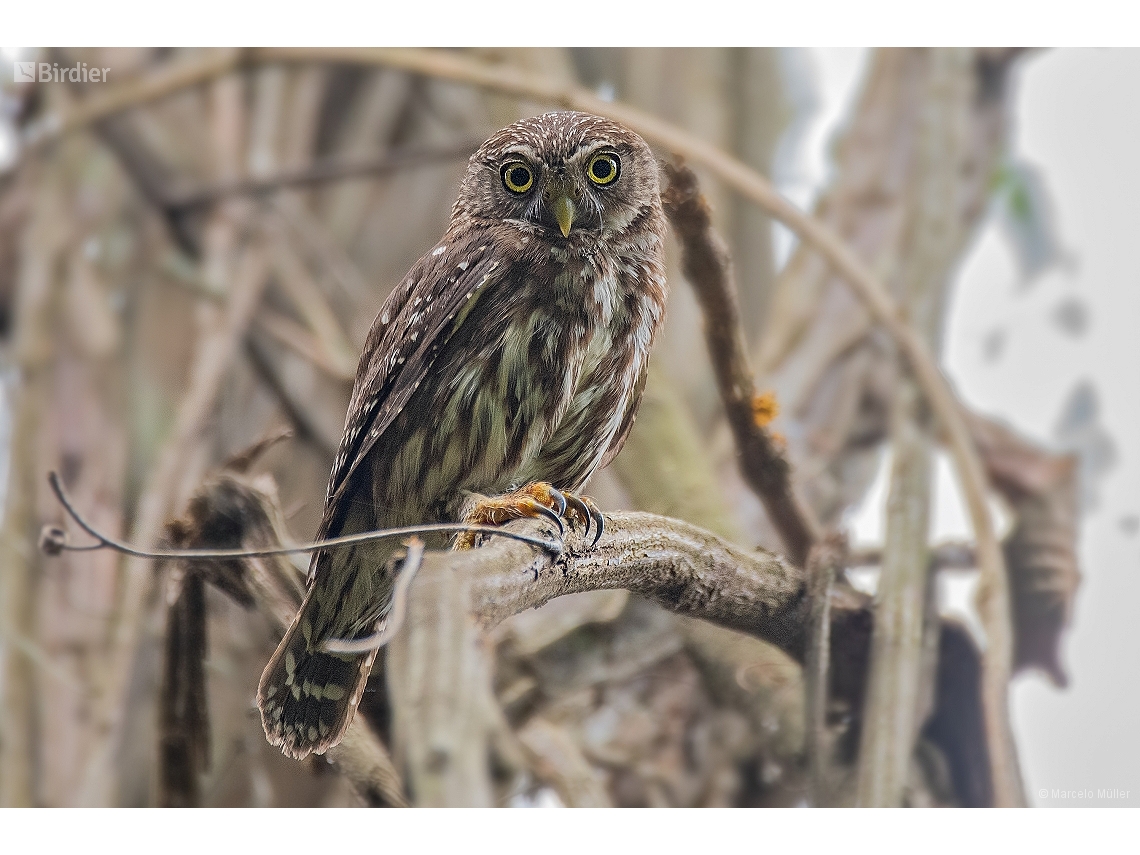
[(308, 698)]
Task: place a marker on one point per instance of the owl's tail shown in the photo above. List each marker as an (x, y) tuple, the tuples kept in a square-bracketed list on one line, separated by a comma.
[(308, 697)]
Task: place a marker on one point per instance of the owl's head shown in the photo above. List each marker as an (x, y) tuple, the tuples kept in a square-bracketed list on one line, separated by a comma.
[(566, 173)]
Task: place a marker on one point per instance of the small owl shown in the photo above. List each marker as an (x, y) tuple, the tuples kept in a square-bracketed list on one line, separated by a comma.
[(510, 360)]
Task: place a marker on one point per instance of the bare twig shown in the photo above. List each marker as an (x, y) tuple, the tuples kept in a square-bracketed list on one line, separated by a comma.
[(240, 461), (944, 556), (708, 268), (334, 169), (54, 541), (287, 332)]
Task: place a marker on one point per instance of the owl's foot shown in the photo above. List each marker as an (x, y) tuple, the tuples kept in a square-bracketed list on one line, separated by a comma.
[(537, 499)]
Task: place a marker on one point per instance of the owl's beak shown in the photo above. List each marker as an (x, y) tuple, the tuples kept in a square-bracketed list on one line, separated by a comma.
[(563, 209)]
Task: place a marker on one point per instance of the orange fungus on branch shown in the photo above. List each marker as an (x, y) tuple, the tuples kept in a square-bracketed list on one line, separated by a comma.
[(764, 409)]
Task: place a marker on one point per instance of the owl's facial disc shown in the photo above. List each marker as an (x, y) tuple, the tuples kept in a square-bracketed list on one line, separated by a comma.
[(565, 192), (571, 176)]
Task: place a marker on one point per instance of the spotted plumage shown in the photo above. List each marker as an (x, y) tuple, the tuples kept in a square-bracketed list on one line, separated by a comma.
[(514, 351)]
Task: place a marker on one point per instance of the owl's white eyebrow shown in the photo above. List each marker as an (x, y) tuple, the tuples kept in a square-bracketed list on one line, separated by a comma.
[(593, 147), (524, 150)]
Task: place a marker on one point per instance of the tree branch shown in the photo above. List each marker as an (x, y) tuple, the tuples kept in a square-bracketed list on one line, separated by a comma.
[(333, 169), (682, 567), (932, 243), (707, 266)]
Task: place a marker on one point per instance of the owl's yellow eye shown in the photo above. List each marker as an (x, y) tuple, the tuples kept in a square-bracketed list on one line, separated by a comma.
[(517, 176), (603, 168)]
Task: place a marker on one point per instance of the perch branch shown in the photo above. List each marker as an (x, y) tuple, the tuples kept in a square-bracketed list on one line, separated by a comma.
[(685, 568), (707, 266)]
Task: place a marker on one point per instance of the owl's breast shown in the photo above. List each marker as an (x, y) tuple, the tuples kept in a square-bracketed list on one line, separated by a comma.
[(623, 303)]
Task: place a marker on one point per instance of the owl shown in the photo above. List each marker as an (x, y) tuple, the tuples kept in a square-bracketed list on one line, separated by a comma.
[(508, 363)]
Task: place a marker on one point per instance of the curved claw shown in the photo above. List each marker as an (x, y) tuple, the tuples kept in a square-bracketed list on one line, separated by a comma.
[(541, 510), (560, 500), (578, 504), (599, 520), (537, 499)]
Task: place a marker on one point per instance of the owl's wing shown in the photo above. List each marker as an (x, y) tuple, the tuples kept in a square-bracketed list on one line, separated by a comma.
[(416, 321)]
